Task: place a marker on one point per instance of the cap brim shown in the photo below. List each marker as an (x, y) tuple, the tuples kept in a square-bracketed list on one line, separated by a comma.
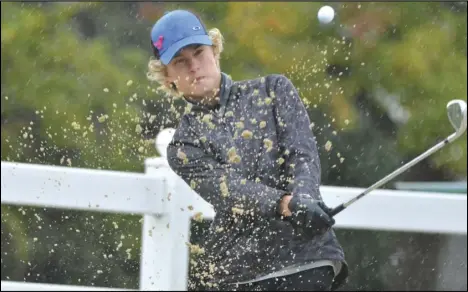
[(167, 56)]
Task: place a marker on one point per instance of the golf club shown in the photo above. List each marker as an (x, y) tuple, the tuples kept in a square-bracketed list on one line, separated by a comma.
[(456, 110)]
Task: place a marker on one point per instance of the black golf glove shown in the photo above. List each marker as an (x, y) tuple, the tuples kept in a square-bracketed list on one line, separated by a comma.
[(309, 216)]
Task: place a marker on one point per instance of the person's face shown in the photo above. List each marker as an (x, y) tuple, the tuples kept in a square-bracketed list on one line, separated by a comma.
[(195, 72)]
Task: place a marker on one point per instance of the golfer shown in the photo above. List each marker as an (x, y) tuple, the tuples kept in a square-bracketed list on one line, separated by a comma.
[(247, 148)]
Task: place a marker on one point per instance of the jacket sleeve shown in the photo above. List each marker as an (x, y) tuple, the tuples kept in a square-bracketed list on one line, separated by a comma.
[(301, 159), (218, 183)]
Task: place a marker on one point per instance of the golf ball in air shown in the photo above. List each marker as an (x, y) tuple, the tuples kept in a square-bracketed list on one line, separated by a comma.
[(326, 14)]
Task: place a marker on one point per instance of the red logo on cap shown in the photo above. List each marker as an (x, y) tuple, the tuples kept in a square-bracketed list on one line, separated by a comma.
[(158, 44)]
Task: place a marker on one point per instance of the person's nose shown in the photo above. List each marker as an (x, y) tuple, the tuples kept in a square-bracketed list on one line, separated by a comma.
[(194, 65)]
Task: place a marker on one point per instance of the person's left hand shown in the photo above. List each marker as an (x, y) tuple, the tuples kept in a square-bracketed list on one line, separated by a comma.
[(309, 215)]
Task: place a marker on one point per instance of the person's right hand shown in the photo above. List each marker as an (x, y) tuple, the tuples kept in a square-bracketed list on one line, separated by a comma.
[(309, 215)]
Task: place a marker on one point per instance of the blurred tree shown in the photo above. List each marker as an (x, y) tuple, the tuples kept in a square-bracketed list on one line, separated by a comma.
[(60, 92), (416, 52)]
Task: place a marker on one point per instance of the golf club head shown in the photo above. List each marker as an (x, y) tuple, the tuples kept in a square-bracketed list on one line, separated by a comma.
[(456, 111)]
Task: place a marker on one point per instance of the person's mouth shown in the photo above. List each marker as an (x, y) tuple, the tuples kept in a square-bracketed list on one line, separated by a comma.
[(198, 79)]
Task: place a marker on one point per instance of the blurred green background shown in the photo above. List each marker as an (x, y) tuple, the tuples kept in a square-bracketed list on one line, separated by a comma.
[(74, 92)]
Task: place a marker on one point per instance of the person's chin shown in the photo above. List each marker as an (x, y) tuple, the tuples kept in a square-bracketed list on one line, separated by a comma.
[(199, 94), (204, 91)]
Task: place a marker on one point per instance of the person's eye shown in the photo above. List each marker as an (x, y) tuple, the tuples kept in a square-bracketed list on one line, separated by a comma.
[(198, 52)]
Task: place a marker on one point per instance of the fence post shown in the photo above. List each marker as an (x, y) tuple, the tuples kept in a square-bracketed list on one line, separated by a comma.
[(165, 256), (156, 249), (155, 259)]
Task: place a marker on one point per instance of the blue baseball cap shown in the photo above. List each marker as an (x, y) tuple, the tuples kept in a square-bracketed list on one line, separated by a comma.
[(175, 30)]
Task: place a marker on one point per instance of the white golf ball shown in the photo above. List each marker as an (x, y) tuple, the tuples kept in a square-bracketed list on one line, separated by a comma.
[(326, 14)]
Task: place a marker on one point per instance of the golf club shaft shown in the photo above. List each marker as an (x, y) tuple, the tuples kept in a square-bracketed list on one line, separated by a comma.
[(397, 172)]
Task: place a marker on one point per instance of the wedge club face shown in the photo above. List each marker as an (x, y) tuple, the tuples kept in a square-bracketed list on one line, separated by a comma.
[(456, 111)]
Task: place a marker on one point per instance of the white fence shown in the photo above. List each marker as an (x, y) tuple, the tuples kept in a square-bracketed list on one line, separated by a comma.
[(162, 199)]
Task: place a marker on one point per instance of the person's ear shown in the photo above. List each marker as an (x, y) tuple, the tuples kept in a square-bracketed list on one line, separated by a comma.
[(171, 84)]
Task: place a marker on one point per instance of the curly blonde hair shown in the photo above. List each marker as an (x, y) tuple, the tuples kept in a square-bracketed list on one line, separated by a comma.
[(157, 71)]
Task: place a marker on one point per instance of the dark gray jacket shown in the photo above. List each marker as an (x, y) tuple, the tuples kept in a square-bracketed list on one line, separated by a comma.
[(242, 156)]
